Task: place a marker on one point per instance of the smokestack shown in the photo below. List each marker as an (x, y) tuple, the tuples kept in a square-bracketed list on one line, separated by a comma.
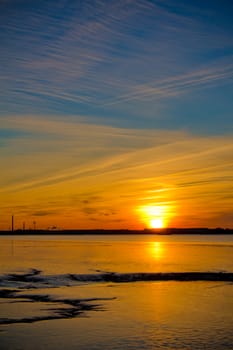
[(12, 223)]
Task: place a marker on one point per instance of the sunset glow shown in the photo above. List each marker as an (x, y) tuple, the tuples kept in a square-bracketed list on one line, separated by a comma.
[(157, 223), (155, 216), (101, 128), (116, 169)]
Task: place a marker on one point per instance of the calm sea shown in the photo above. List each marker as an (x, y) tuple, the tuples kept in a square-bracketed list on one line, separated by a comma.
[(59, 293)]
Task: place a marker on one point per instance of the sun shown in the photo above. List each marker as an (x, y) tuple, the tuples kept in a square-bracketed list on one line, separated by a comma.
[(157, 223), (155, 216)]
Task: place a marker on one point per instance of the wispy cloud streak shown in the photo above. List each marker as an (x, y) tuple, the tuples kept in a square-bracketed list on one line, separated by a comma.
[(119, 167), (103, 104), (174, 86), (67, 56)]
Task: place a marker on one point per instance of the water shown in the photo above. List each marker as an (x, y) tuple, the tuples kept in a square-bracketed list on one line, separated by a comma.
[(97, 314)]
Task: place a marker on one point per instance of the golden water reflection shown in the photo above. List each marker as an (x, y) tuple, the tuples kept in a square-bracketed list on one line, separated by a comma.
[(123, 254), (157, 250)]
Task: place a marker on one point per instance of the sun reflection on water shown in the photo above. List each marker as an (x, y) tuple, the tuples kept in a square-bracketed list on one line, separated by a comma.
[(157, 250)]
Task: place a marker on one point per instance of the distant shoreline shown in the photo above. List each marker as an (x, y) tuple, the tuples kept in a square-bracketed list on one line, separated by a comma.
[(165, 231)]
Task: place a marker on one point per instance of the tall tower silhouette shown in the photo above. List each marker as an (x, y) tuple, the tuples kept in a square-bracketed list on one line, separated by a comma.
[(12, 223)]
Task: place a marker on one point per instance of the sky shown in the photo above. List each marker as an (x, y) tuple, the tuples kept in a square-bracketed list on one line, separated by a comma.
[(116, 114)]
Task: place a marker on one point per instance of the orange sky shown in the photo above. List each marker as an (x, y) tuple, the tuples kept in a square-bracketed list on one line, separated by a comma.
[(116, 114), (76, 175)]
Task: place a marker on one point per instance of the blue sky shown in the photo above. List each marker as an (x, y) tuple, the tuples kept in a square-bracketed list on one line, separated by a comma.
[(123, 66), (136, 64)]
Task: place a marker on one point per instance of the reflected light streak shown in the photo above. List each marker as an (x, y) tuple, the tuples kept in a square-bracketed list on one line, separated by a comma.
[(156, 250)]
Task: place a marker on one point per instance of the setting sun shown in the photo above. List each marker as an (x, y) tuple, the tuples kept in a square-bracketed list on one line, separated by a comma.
[(156, 223), (155, 216)]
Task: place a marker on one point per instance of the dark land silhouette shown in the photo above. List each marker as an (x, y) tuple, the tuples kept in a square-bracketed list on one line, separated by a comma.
[(164, 231)]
